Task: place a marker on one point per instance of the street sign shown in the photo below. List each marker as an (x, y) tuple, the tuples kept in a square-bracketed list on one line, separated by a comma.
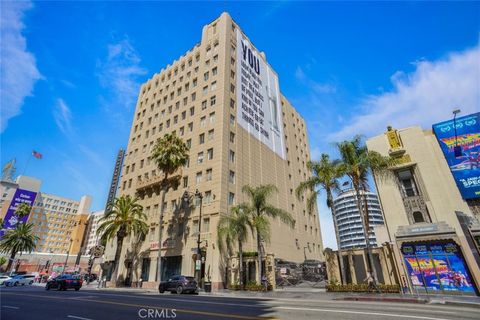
[(198, 265)]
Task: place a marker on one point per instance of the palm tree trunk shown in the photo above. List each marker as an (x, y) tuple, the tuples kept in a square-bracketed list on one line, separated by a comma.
[(10, 261), (343, 273), (240, 262), (118, 252), (367, 227), (160, 231), (259, 259)]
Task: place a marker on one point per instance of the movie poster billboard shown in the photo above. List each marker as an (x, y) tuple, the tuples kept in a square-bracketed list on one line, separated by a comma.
[(466, 167), (437, 267), (11, 220), (259, 108)]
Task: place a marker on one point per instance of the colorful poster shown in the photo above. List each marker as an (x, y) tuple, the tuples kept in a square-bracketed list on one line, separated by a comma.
[(465, 167), (11, 220), (437, 267)]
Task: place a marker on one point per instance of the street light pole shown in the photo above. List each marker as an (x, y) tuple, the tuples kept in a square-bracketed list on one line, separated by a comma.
[(199, 241), (66, 260)]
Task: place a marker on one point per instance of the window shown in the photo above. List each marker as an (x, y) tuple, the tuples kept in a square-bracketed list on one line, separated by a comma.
[(189, 143), (214, 71), (198, 177), (232, 156), (210, 154), (207, 198), (213, 86), (182, 131), (204, 105), (212, 117), (407, 182), (192, 111), (232, 119), (201, 138), (205, 90), (232, 88), (231, 177), (232, 103), (205, 76), (210, 135), (231, 198), (206, 221), (232, 137), (213, 100), (194, 96), (203, 121), (200, 157), (194, 82), (190, 126), (215, 58), (208, 175), (195, 227), (418, 217)]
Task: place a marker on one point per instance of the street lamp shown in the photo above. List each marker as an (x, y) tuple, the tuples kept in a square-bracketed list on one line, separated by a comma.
[(457, 150), (66, 260), (198, 261)]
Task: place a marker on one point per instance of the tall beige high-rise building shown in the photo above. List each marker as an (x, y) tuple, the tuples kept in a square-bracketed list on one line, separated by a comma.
[(222, 98)]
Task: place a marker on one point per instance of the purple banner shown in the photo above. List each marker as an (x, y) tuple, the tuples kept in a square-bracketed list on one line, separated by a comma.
[(20, 196)]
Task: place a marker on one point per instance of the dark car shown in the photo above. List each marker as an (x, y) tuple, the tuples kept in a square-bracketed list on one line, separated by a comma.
[(67, 281), (179, 284)]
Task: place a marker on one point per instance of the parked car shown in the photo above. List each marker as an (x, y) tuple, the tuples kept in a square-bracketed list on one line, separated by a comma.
[(3, 279), (67, 281), (179, 284), (19, 279)]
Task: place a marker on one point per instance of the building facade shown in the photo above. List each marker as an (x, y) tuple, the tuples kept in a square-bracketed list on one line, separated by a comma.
[(60, 223), (349, 221), (253, 136), (92, 238), (427, 220)]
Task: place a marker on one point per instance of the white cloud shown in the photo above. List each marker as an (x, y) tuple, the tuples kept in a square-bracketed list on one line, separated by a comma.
[(119, 73), (316, 87), (63, 117), (423, 97), (18, 67)]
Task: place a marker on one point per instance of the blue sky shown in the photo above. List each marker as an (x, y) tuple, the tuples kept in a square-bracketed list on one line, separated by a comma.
[(70, 73)]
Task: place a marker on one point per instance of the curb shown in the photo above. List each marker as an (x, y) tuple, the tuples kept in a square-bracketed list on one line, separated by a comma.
[(383, 299)]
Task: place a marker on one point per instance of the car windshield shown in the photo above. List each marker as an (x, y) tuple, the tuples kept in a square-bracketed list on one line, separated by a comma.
[(190, 278)]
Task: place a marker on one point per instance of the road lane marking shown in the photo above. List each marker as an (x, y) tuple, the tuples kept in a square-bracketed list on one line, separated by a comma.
[(197, 312), (361, 312), (11, 307), (76, 317)]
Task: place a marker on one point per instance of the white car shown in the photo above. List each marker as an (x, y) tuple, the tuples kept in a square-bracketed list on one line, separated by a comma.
[(19, 280), (3, 279)]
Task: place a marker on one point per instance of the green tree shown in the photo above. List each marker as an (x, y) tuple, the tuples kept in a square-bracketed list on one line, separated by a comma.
[(3, 260), (357, 163), (125, 216), (233, 227), (325, 175), (22, 210), (260, 211), (170, 153), (20, 239)]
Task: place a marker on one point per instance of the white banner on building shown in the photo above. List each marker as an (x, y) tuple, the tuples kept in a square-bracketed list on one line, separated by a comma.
[(258, 97)]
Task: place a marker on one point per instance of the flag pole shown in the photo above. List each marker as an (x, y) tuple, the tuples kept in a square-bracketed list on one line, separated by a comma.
[(26, 165)]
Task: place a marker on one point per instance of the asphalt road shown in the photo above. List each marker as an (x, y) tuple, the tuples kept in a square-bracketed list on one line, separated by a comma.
[(28, 303)]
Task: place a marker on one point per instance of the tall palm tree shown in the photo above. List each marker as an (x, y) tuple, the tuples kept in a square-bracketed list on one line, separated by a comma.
[(22, 210), (125, 216), (260, 211), (170, 153), (325, 175), (357, 162), (233, 227), (18, 240)]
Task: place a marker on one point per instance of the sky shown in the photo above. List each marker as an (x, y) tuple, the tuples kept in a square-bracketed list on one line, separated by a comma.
[(71, 72)]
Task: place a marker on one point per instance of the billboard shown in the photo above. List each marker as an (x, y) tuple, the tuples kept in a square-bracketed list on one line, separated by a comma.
[(259, 108), (437, 267), (20, 196), (466, 167)]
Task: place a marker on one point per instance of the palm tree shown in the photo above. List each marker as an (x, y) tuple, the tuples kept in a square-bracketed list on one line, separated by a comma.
[(125, 216), (18, 240), (233, 227), (357, 162), (260, 210), (22, 210), (170, 153), (325, 176)]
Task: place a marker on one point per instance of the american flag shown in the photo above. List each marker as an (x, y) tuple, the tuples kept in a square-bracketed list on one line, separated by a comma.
[(36, 154)]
